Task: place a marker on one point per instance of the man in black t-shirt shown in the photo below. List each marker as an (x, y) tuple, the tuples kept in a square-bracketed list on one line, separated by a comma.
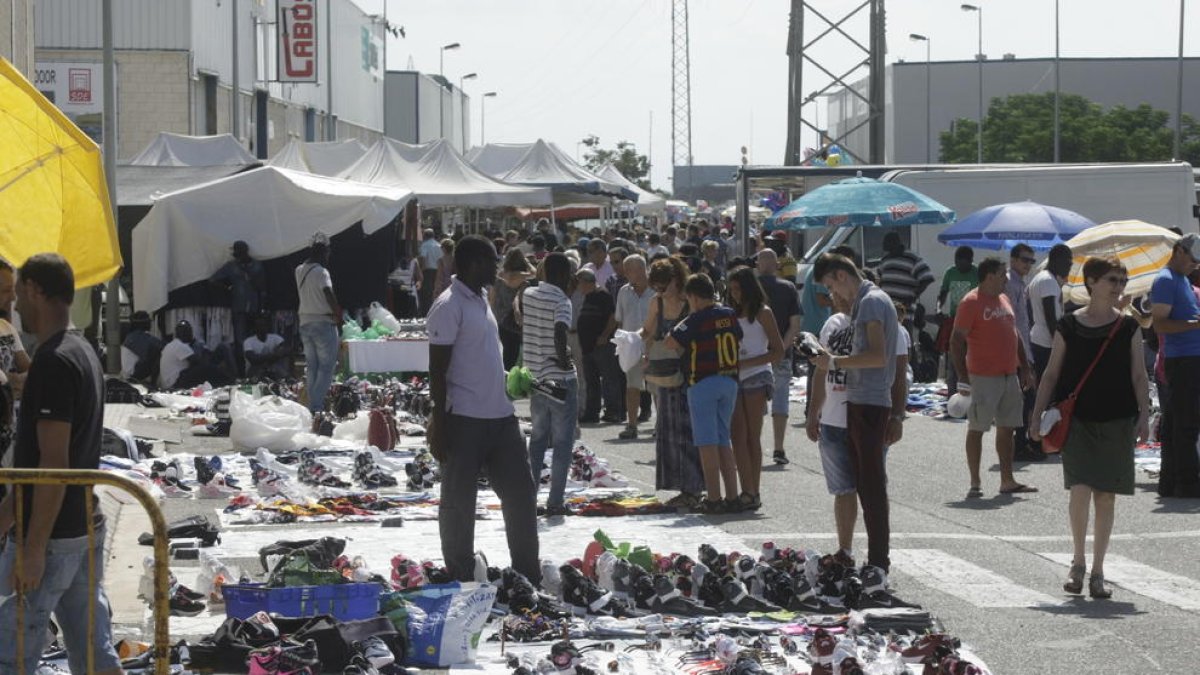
[(61, 426), (597, 323), (785, 305)]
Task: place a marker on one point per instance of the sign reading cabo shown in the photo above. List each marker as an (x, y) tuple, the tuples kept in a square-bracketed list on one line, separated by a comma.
[(297, 41)]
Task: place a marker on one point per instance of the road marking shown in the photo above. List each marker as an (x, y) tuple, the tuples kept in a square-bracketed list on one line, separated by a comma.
[(970, 583), (970, 536), (1172, 589)]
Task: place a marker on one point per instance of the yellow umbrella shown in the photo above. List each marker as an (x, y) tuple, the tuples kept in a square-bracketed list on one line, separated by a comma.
[(53, 197), (1142, 247)]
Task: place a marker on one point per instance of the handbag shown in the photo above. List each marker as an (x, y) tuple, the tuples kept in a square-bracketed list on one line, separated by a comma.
[(662, 363), (1057, 438)]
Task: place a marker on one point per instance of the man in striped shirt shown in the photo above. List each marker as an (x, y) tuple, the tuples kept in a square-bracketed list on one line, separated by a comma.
[(903, 275), (546, 312)]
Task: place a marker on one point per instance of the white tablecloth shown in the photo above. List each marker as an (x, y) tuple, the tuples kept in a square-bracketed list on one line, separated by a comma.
[(388, 356)]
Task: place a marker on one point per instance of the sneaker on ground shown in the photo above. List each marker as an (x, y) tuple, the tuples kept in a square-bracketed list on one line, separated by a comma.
[(376, 651), (183, 605)]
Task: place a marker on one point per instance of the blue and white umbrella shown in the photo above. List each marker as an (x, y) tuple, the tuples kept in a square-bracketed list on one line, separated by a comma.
[(1005, 225), (860, 201)]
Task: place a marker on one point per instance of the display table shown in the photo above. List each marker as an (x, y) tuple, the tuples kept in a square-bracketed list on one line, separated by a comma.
[(387, 356)]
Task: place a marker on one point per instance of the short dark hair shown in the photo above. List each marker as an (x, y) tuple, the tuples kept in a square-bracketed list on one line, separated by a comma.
[(666, 269), (653, 238), (964, 252), (6, 266), (701, 286), (1061, 253), (52, 273), (753, 296), (828, 263), (1020, 249), (471, 250), (1094, 268), (990, 265), (557, 268)]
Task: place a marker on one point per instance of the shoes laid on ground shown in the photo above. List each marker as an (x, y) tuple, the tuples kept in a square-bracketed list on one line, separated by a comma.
[(739, 600), (927, 649), (628, 433), (184, 603), (376, 651), (820, 652), (1097, 588), (422, 473), (781, 458), (1074, 582), (585, 596), (359, 665), (314, 472), (297, 658), (368, 474), (669, 600), (267, 482)]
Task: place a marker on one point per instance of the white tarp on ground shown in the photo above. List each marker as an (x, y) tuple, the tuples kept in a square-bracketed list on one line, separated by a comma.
[(169, 149), (438, 176), (547, 166), (328, 158), (187, 234), (648, 203)]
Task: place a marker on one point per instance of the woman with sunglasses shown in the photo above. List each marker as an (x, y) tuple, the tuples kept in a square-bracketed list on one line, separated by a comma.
[(1111, 411)]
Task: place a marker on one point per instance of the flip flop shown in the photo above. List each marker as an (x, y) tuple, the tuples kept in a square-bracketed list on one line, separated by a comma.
[(975, 492), (1019, 489)]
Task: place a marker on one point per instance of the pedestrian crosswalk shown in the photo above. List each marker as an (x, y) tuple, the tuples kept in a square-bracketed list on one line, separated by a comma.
[(964, 580), (1166, 587)]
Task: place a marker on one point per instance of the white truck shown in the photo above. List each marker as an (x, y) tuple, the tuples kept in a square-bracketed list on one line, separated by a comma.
[(1159, 193)]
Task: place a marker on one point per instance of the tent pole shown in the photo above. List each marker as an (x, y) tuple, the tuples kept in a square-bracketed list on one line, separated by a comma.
[(112, 308)]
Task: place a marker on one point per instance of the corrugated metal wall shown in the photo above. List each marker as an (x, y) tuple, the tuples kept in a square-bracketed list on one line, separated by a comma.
[(137, 24)]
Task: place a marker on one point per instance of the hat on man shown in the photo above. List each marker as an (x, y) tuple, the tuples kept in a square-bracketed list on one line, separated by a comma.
[(779, 235), (1190, 243)]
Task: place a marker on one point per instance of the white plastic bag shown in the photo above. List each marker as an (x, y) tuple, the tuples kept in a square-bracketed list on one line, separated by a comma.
[(376, 312), (445, 621), (269, 423), (353, 429), (629, 348)]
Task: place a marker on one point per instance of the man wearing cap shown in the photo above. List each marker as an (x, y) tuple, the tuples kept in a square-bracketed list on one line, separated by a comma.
[(785, 304), (245, 278), (1176, 314)]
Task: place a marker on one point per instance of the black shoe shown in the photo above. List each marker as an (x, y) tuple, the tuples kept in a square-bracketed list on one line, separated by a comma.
[(739, 600), (781, 458), (586, 597), (669, 600), (609, 419)]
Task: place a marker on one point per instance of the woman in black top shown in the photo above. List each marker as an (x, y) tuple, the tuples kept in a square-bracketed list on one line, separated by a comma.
[(1111, 411)]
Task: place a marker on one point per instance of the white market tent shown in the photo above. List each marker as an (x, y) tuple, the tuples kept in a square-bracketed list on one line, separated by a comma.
[(186, 236), (497, 159), (648, 203), (328, 158), (439, 177), (168, 149), (546, 166)]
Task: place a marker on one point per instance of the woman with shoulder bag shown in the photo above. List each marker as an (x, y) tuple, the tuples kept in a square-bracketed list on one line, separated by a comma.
[(677, 465), (1097, 363)]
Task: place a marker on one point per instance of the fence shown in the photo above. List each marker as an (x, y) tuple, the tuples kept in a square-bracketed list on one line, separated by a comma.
[(22, 479)]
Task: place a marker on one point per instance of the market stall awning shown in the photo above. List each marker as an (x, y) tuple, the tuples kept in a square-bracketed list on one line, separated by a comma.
[(546, 166), (648, 203), (187, 234), (168, 149), (53, 195), (142, 185), (325, 158)]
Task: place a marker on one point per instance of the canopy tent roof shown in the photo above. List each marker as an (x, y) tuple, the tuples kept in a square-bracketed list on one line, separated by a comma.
[(438, 176), (648, 203), (142, 185), (497, 159), (187, 234), (547, 166), (168, 149), (328, 158)]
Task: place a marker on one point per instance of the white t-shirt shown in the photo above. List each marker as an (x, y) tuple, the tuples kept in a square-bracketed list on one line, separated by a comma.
[(311, 281), (431, 251), (10, 346), (837, 336), (174, 360), (1044, 285), (253, 345)]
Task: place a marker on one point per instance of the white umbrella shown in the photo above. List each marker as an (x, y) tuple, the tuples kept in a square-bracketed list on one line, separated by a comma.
[(1143, 248)]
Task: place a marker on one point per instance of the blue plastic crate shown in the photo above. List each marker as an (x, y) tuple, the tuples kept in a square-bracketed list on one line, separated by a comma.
[(345, 602)]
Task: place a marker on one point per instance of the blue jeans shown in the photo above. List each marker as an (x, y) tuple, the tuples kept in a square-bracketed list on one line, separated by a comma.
[(710, 402), (553, 426), (320, 341), (64, 592)]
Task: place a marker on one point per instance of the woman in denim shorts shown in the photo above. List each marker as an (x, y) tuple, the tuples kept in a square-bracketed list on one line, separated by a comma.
[(760, 347)]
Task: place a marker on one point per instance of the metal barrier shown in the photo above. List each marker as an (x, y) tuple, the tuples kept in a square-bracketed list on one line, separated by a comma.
[(20, 478)]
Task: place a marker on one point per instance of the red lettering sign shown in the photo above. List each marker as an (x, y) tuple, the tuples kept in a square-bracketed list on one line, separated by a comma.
[(297, 41)]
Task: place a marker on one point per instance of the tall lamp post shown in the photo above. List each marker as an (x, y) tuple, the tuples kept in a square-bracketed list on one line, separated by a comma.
[(1057, 124), (462, 94), (442, 94), (917, 37), (483, 115), (1179, 89), (979, 58)]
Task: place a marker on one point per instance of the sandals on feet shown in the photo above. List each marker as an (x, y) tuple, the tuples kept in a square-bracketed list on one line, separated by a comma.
[(1097, 588), (712, 507), (1074, 582), (975, 492)]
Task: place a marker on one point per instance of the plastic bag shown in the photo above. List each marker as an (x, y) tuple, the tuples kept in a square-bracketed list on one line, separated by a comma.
[(377, 314), (629, 348), (354, 429), (351, 330), (269, 423), (445, 622)]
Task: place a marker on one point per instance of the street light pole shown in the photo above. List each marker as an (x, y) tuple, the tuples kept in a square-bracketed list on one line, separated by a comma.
[(979, 58), (483, 115), (916, 37), (442, 93), (462, 93), (1057, 132), (1179, 89)]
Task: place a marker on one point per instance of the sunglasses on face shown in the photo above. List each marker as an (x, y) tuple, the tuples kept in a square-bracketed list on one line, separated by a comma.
[(1116, 280), (1027, 260)]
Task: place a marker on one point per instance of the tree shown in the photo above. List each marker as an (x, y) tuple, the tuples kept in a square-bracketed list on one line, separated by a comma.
[(1020, 129), (624, 157)]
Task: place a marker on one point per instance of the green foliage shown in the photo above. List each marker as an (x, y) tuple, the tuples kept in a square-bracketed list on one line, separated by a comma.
[(1020, 129), (624, 157)]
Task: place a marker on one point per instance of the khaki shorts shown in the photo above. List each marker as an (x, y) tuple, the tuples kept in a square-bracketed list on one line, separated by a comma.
[(995, 400), (635, 377)]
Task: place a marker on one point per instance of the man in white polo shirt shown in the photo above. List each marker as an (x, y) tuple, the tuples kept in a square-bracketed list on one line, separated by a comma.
[(473, 423)]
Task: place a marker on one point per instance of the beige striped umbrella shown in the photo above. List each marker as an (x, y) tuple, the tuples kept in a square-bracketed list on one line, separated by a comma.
[(1142, 247)]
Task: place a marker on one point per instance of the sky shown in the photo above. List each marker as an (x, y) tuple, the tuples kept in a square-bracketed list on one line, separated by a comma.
[(567, 69)]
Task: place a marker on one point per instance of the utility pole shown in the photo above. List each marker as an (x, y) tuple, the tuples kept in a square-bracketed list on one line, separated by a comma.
[(1179, 90), (1057, 95), (681, 91), (112, 306), (878, 54), (792, 153), (235, 103)]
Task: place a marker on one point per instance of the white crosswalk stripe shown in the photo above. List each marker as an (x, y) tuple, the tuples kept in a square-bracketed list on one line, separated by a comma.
[(1172, 589), (966, 581)]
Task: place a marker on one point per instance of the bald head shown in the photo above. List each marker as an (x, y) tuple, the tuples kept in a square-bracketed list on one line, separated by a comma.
[(767, 262)]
